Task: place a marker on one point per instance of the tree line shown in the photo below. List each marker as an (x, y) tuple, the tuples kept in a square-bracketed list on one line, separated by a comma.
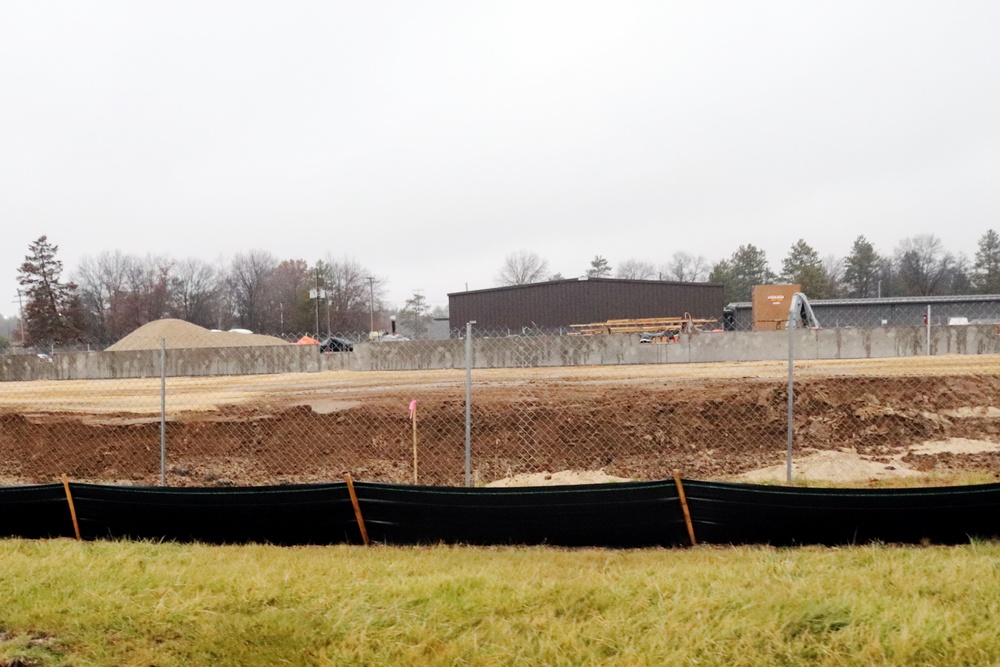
[(111, 294), (919, 266)]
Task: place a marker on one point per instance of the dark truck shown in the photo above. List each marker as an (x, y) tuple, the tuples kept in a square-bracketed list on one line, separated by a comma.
[(336, 344)]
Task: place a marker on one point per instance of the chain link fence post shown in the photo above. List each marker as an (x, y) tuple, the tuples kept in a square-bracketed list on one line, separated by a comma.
[(792, 321), (468, 403), (928, 329), (163, 412)]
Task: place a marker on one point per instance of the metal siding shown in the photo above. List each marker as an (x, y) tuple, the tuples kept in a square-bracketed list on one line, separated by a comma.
[(896, 312), (561, 303)]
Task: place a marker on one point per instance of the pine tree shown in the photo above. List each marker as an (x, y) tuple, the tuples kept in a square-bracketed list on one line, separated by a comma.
[(747, 267), (415, 318), (51, 311), (599, 268), (803, 266), (986, 273), (863, 269)]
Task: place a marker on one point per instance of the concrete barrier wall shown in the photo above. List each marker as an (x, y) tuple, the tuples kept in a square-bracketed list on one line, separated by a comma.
[(622, 349), (146, 363)]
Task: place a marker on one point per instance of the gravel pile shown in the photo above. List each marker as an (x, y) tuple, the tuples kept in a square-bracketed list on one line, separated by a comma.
[(180, 334)]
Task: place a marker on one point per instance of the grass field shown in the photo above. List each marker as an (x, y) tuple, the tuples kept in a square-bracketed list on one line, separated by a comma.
[(119, 603)]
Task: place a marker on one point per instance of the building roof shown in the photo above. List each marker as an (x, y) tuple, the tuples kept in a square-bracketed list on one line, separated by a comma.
[(623, 281)]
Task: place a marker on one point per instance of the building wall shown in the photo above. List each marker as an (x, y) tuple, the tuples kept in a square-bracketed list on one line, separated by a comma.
[(560, 303), (866, 313)]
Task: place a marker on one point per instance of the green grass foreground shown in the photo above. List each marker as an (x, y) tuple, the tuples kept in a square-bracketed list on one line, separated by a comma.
[(124, 603)]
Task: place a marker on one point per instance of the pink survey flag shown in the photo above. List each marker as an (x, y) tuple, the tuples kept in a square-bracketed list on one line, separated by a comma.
[(413, 408)]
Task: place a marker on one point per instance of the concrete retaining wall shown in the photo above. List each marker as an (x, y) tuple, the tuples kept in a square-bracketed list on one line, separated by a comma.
[(620, 349)]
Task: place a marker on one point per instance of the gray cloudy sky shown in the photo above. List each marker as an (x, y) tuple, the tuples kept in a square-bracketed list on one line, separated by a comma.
[(430, 139)]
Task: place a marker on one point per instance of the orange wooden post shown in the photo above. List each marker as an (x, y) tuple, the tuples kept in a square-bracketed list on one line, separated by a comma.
[(357, 508), (684, 506), (72, 508)]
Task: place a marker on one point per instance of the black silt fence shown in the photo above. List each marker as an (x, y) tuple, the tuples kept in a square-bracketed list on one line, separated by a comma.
[(755, 514), (286, 515), (607, 515), (34, 512), (634, 514)]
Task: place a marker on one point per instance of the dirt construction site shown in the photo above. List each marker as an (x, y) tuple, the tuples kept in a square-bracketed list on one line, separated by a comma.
[(855, 422)]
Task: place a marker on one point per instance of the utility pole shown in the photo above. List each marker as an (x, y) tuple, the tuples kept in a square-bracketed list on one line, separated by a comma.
[(20, 309), (371, 302), (317, 302)]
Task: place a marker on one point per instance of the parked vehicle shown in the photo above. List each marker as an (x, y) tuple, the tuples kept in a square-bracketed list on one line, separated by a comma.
[(335, 344)]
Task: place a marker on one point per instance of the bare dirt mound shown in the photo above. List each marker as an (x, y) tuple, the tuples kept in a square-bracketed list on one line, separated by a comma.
[(847, 465), (181, 335)]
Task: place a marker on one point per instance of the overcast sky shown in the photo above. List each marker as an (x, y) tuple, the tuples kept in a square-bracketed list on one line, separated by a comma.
[(428, 140)]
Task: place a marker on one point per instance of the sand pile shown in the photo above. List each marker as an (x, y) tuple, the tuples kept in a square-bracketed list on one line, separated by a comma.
[(180, 334), (846, 465), (561, 478)]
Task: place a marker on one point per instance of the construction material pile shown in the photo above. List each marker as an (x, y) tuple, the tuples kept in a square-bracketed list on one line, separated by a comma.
[(179, 334), (656, 327)]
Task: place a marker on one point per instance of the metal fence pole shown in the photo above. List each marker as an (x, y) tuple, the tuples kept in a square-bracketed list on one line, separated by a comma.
[(468, 403), (163, 412), (791, 397), (928, 329)]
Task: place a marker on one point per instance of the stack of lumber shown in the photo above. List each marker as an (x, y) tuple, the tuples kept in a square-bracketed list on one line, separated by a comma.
[(651, 324)]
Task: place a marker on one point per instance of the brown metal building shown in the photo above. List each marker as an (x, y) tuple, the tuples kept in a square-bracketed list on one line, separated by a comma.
[(560, 303)]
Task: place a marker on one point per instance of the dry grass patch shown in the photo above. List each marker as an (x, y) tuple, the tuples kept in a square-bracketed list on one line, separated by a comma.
[(121, 603)]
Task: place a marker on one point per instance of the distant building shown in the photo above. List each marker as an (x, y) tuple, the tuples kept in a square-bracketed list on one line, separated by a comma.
[(439, 329), (557, 304), (885, 312)]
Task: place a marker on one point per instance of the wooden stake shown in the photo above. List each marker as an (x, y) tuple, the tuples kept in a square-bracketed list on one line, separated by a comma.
[(72, 508), (684, 506), (357, 508), (414, 442)]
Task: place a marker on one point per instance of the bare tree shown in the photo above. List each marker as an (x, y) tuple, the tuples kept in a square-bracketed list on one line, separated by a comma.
[(194, 291), (686, 268), (355, 296), (290, 304), (522, 267), (634, 269), (958, 280), (250, 276), (922, 265), (147, 294), (101, 280), (119, 293), (833, 267)]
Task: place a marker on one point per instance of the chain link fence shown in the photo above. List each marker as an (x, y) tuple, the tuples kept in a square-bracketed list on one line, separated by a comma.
[(873, 313), (180, 408)]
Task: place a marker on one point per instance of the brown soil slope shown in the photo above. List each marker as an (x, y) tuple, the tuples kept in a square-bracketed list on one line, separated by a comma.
[(637, 427)]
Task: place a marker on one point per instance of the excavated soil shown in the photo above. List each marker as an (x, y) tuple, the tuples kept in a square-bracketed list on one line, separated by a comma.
[(283, 429)]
